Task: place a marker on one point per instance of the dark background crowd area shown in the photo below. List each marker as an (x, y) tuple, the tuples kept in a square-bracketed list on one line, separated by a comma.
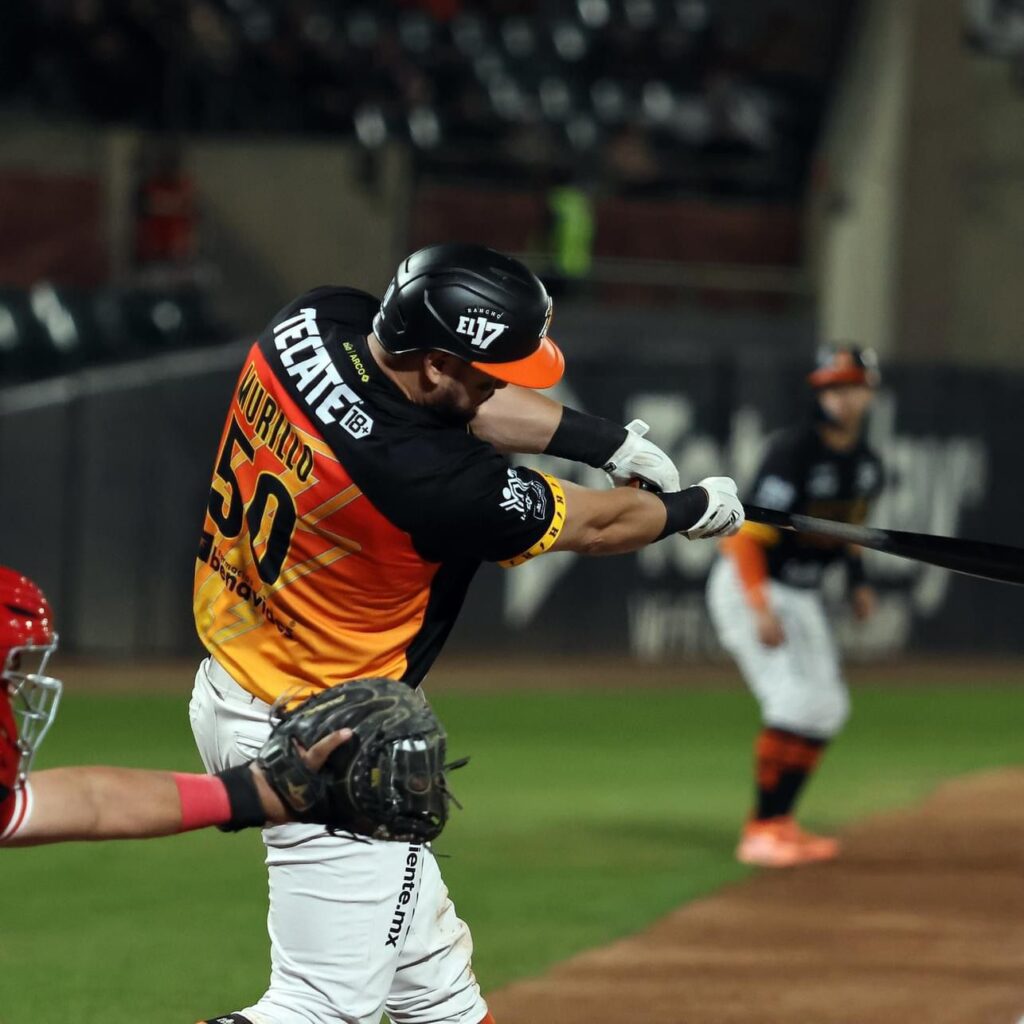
[(653, 97)]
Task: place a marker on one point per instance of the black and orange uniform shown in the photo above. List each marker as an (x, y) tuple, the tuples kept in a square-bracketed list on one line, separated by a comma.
[(801, 474), (345, 523)]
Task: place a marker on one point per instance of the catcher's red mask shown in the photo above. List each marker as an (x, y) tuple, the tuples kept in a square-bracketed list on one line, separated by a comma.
[(28, 697)]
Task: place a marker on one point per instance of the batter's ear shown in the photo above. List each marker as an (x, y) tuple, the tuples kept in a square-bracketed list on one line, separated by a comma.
[(437, 366)]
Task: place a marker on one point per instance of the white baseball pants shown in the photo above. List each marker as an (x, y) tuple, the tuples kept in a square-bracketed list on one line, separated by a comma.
[(356, 928), (798, 684)]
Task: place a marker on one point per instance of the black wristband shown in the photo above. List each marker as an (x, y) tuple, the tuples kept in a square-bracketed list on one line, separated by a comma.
[(683, 509), (246, 807), (585, 438)]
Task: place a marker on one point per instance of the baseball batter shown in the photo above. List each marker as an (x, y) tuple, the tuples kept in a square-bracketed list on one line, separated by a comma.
[(765, 602), (358, 487)]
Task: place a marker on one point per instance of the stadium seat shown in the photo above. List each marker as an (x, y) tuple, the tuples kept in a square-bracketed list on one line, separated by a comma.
[(162, 320), (371, 125), (609, 101), (362, 29), (18, 331), (424, 127), (119, 334), (66, 338), (433, 73), (416, 32), (470, 33), (519, 38)]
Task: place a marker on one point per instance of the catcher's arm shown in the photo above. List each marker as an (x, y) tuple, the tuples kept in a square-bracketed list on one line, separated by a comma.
[(93, 802)]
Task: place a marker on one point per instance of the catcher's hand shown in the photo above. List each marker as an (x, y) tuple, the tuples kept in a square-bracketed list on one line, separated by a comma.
[(387, 781)]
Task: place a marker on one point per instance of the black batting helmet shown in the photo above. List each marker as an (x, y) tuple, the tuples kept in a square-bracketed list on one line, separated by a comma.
[(845, 364), (474, 303)]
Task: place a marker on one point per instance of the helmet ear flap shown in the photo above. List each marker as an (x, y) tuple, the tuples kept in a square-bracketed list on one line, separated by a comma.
[(389, 323)]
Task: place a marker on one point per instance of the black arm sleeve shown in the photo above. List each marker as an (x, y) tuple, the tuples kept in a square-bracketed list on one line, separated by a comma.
[(683, 509), (581, 437)]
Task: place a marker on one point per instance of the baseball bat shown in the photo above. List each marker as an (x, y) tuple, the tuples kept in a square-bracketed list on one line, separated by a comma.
[(999, 562)]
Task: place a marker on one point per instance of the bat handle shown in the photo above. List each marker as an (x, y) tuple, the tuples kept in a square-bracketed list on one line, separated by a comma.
[(768, 516), (644, 485)]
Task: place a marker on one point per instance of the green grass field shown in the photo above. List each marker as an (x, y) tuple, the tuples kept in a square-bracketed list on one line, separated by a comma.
[(587, 815)]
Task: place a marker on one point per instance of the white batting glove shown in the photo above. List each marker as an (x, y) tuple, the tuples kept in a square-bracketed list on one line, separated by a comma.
[(638, 458), (724, 515)]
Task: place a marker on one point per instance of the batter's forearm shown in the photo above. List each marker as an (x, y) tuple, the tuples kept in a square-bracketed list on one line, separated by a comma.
[(612, 522), (626, 519), (521, 420), (517, 419)]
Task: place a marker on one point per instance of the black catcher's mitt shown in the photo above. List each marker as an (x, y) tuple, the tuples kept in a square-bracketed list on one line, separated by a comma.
[(387, 782)]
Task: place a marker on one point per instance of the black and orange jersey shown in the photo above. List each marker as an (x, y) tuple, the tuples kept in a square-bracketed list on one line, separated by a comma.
[(345, 523), (799, 473)]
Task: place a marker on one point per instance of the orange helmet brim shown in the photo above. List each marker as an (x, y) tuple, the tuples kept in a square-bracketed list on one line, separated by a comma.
[(542, 369)]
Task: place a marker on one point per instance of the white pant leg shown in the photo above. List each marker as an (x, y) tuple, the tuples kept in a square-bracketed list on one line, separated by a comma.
[(798, 684), (228, 724), (337, 924), (434, 983), (341, 910)]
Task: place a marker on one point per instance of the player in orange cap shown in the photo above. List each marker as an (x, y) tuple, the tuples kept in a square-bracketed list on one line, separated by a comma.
[(765, 600)]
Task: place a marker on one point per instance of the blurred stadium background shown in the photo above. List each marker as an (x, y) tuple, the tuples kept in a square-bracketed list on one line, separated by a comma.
[(710, 188)]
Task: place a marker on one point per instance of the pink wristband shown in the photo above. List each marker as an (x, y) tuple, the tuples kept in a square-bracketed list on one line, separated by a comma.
[(204, 801)]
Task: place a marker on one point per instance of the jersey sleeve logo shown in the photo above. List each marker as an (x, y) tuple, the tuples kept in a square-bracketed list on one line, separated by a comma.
[(525, 497)]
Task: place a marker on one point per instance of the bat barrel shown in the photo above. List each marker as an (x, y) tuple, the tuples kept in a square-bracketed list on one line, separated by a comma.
[(999, 562)]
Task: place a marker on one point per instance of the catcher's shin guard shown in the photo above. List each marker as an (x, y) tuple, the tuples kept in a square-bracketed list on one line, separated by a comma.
[(228, 1018)]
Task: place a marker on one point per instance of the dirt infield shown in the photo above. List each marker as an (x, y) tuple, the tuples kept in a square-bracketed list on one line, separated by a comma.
[(921, 922)]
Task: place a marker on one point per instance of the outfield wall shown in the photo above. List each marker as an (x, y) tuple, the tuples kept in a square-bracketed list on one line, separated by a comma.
[(106, 475)]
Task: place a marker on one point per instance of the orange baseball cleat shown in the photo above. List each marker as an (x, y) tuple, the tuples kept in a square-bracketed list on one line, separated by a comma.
[(782, 843)]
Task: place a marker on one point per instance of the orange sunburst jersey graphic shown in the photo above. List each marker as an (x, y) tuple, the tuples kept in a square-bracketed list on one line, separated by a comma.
[(300, 582)]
